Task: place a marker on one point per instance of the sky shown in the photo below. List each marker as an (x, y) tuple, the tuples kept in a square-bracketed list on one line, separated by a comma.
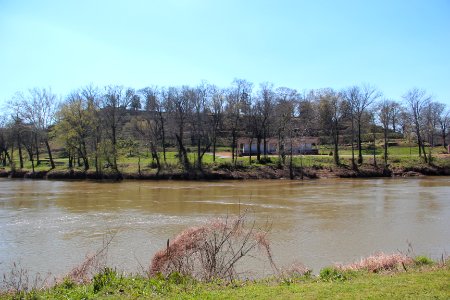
[(65, 45)]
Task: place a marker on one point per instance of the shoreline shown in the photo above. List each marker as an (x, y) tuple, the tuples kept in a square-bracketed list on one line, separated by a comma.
[(253, 173)]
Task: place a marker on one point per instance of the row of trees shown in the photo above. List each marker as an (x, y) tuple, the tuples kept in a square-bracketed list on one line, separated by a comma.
[(95, 125)]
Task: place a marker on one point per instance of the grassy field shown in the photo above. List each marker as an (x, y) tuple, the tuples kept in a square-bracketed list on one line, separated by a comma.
[(399, 157), (418, 283)]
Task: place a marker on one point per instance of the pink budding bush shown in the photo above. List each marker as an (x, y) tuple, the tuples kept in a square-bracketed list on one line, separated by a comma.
[(212, 250), (379, 262)]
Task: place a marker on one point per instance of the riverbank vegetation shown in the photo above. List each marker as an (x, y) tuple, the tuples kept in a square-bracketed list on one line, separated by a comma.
[(416, 283), (196, 132)]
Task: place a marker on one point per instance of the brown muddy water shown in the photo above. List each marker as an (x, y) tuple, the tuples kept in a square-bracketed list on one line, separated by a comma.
[(49, 226)]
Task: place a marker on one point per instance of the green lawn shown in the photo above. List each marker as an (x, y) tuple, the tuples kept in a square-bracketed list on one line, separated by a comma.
[(431, 283), (398, 157)]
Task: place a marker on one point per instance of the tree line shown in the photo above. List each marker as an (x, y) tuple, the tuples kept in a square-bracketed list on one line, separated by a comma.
[(95, 125)]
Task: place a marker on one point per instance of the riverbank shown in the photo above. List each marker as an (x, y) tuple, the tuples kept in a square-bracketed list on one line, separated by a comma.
[(239, 173), (418, 282)]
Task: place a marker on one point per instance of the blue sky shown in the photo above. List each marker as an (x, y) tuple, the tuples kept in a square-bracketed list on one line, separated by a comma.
[(393, 45)]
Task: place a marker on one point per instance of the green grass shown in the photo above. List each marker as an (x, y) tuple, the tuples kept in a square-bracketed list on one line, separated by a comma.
[(399, 157), (419, 283)]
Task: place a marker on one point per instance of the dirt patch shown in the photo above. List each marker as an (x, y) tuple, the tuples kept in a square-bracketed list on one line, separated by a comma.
[(223, 154)]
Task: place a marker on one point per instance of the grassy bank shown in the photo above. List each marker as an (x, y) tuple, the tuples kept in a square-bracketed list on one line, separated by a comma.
[(415, 283), (402, 161)]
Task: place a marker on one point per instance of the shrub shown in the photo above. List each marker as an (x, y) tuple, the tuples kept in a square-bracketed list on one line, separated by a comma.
[(378, 262), (103, 279), (93, 264), (296, 270), (68, 284), (331, 274), (18, 280), (422, 260), (213, 250)]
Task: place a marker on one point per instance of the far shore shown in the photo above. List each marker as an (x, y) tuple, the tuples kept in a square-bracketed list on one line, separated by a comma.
[(237, 173)]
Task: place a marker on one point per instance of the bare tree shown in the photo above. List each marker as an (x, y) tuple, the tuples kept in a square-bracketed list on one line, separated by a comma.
[(266, 108), (396, 112), (115, 103), (386, 109), (360, 99), (417, 101), (237, 105), (5, 142), (284, 115), (155, 103), (432, 116), (444, 123), (199, 122), (216, 108), (180, 107), (332, 111), (37, 108)]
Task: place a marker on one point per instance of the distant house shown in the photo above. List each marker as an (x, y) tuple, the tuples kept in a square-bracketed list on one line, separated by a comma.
[(300, 145)]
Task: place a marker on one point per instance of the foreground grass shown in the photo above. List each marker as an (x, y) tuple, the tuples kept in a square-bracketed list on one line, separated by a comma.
[(420, 283)]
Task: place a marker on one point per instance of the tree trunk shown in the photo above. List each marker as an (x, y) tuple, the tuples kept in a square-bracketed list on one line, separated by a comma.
[(444, 135), (258, 148), (84, 155), (155, 155), (385, 147), (199, 151), (374, 151), (291, 165), (354, 166), (36, 144), (96, 160), (50, 156), (360, 157), (336, 146), (163, 135), (70, 160), (114, 141), (233, 145), (336, 151), (265, 145), (30, 154), (19, 144), (184, 160), (214, 148), (3, 157), (250, 153), (6, 157)]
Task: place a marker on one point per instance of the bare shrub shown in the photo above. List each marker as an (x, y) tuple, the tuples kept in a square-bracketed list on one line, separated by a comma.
[(296, 269), (92, 264), (379, 262), (18, 279), (213, 250)]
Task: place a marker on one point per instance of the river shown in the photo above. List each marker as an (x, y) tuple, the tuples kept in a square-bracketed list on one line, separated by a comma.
[(49, 226)]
